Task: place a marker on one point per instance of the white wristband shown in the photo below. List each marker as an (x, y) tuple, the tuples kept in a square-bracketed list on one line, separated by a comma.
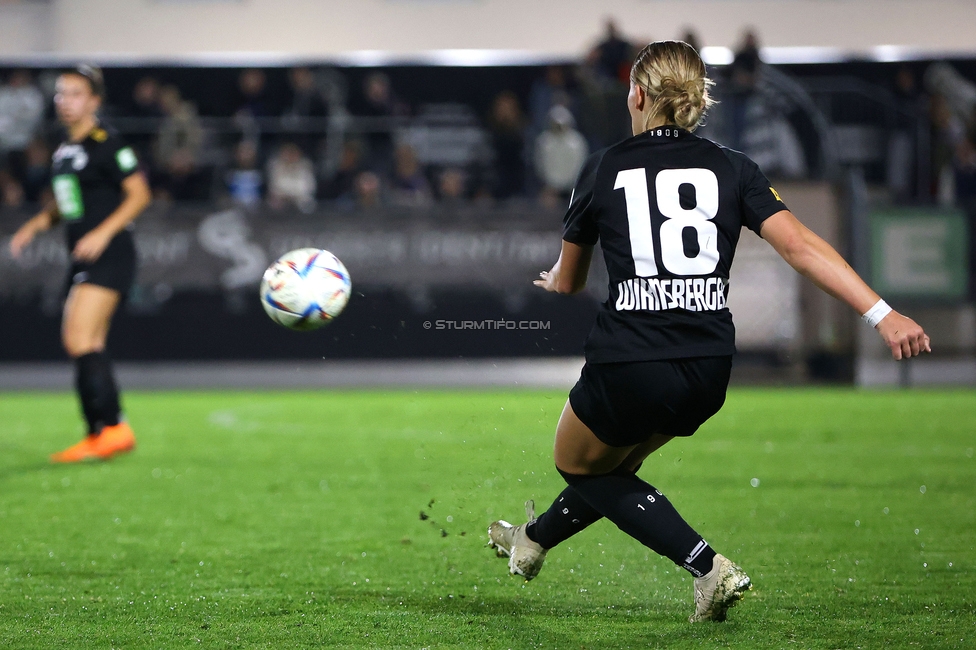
[(874, 315)]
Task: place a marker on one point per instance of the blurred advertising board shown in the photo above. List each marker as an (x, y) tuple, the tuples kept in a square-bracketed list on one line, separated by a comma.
[(183, 248), (919, 254)]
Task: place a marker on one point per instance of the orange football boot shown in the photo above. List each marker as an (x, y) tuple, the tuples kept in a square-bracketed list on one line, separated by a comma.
[(113, 440), (76, 453)]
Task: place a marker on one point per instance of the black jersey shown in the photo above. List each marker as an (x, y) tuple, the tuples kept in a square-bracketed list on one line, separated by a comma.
[(667, 208), (87, 179)]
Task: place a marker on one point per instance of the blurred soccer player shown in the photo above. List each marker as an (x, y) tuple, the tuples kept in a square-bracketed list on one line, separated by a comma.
[(667, 208), (98, 191)]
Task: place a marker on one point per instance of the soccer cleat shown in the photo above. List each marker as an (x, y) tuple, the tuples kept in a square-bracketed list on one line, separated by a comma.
[(76, 453), (719, 589), (113, 440), (525, 557)]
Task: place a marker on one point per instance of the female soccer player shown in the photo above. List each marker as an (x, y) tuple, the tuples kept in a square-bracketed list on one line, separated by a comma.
[(667, 208), (98, 192)]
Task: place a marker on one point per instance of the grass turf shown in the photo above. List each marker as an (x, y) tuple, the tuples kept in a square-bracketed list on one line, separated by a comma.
[(357, 519)]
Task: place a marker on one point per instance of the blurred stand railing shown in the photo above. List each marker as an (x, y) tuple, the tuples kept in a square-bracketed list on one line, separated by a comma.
[(778, 124), (874, 129)]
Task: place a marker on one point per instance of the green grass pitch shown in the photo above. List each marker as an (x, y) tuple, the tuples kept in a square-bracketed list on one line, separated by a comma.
[(281, 520)]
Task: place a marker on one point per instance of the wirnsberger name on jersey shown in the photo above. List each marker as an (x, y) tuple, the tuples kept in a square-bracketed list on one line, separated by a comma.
[(659, 294)]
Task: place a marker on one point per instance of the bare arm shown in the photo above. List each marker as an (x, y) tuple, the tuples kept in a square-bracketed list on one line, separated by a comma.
[(568, 275), (43, 220), (137, 197), (816, 259)]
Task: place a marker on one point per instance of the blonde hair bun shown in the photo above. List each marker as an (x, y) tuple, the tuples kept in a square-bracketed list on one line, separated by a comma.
[(673, 76)]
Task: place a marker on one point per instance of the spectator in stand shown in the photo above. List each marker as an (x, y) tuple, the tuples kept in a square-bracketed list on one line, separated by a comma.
[(21, 111), (253, 101), (906, 85), (452, 186), (181, 180), (901, 170), (381, 103), (33, 186), (952, 114), (291, 180), (244, 181), (947, 133), (11, 191), (690, 36), (145, 98), (743, 80), (604, 81), (613, 56), (409, 186), (307, 110), (507, 129), (380, 100), (306, 98), (551, 90), (559, 154), (596, 117), (37, 172), (369, 190), (342, 186), (145, 105), (180, 130), (744, 70)]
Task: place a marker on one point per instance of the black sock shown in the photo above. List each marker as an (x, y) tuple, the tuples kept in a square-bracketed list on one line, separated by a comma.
[(85, 397), (646, 515), (97, 391), (568, 515)]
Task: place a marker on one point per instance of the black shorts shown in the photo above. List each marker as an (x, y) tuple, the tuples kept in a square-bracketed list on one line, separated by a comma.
[(114, 269), (623, 404)]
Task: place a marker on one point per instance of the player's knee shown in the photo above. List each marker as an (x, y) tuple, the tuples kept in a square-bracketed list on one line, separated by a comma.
[(78, 344), (73, 347), (572, 478)]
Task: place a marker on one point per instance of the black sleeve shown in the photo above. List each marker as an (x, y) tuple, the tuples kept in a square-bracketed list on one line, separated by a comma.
[(759, 200), (579, 222), (120, 159)]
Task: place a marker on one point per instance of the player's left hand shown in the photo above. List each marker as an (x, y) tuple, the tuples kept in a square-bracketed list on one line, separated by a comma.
[(90, 247), (904, 336)]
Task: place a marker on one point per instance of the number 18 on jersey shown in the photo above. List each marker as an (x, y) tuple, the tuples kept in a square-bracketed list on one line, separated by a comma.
[(682, 226)]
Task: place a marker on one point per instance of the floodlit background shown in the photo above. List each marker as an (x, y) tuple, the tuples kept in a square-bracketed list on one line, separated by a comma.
[(431, 144)]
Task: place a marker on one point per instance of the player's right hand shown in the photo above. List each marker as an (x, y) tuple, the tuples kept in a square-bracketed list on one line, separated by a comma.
[(546, 281), (904, 336)]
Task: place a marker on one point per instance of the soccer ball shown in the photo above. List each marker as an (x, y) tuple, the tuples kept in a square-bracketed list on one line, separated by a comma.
[(305, 289)]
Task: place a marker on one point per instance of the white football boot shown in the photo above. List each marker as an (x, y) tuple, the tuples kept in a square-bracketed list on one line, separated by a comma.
[(719, 589), (525, 557)]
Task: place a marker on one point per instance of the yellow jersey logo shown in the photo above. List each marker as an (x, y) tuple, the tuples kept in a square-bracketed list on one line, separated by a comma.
[(776, 194), (99, 135)]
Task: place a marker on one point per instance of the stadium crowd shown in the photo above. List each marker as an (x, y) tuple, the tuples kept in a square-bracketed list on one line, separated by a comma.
[(320, 140)]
